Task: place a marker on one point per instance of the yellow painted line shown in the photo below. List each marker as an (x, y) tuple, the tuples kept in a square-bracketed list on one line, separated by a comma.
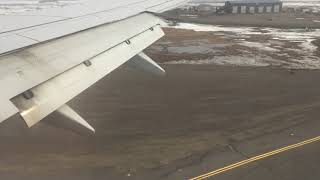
[(256, 158)]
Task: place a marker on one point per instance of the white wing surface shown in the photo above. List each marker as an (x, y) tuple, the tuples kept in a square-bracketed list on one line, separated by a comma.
[(48, 57)]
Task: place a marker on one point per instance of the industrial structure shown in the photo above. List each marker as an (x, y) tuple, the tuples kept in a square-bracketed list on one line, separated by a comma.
[(253, 6)]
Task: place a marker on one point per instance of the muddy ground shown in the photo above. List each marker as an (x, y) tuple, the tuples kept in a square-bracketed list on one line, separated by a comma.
[(199, 116)]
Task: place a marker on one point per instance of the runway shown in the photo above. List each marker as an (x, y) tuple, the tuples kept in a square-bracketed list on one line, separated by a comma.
[(197, 119)]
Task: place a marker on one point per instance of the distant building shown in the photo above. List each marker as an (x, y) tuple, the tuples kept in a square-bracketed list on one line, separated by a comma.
[(253, 6)]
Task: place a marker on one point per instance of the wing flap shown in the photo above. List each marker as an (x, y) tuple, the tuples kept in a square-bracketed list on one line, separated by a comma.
[(54, 93), (144, 63)]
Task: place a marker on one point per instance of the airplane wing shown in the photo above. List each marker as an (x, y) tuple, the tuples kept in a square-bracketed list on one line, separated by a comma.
[(48, 57)]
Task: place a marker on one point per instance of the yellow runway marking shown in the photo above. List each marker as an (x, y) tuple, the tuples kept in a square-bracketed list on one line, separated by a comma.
[(256, 158)]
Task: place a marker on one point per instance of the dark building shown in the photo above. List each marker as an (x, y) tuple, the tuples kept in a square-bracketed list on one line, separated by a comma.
[(253, 6)]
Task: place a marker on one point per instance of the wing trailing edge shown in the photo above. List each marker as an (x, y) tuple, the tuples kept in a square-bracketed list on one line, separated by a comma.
[(69, 113)]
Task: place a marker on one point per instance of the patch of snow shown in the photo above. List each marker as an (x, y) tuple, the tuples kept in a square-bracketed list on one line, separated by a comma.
[(292, 35), (300, 39), (229, 60), (259, 46), (206, 28), (308, 45), (278, 34)]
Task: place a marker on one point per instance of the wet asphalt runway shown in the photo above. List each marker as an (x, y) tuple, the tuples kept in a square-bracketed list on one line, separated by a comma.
[(197, 119)]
